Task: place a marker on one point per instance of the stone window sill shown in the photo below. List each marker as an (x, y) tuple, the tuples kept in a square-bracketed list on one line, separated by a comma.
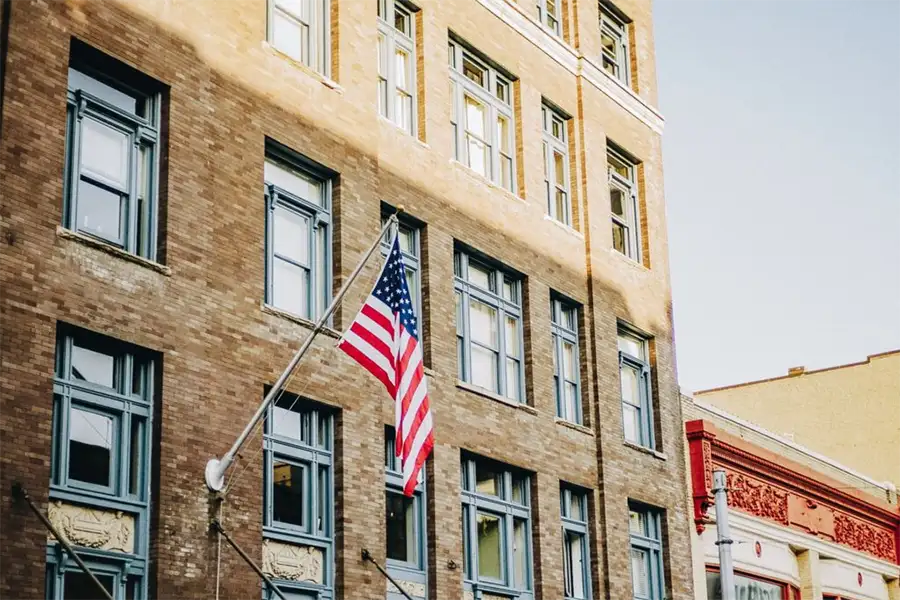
[(574, 426), (68, 234), (326, 81), (496, 397), (650, 451), (570, 230), (481, 179), (269, 309), (386, 121), (629, 261)]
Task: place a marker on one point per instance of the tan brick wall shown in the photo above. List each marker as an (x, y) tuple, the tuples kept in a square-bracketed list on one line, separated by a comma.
[(228, 92)]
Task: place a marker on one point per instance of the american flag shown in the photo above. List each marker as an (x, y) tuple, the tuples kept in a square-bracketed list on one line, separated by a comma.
[(384, 338)]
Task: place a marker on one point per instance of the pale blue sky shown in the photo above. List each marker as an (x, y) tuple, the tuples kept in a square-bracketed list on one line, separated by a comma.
[(782, 172)]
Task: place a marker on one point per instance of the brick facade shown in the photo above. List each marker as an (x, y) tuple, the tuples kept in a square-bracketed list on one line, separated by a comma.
[(202, 310)]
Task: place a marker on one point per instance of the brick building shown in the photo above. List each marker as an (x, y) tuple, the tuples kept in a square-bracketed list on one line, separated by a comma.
[(257, 145), (804, 526)]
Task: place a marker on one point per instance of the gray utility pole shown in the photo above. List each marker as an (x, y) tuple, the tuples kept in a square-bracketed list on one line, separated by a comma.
[(723, 535)]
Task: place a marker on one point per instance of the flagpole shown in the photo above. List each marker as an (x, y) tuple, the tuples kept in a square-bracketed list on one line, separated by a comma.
[(215, 468)]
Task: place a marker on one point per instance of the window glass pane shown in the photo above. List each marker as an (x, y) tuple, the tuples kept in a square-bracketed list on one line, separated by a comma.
[(569, 319), (291, 235), (478, 157), (289, 287), (288, 35), (324, 439), (489, 550), (473, 71), (323, 265), (520, 553), (90, 447), (631, 346), (512, 379), (294, 7), (401, 21), (287, 418), (575, 557), (569, 361), (637, 523), (559, 168), (519, 488), (137, 450), (640, 573), (382, 76), (510, 290), (502, 90), (487, 479), (561, 206), (503, 137), (571, 402), (81, 81), (632, 423), (99, 211), (484, 368), (476, 117), (323, 502), (746, 587), (287, 493), (94, 367), (407, 239), (576, 506), (78, 585), (617, 202), (104, 152), (557, 129), (512, 337), (608, 43), (293, 181), (631, 389), (619, 167), (483, 323), (145, 169), (400, 525), (610, 66), (402, 65), (620, 236), (480, 276)]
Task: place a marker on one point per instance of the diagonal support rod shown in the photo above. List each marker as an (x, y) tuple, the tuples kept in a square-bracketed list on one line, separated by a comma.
[(20, 493), (217, 526), (367, 556)]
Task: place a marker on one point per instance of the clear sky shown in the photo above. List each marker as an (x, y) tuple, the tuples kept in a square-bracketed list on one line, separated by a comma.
[(782, 172)]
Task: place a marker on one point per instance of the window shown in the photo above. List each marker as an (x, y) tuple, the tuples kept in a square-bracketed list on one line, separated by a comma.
[(397, 64), (614, 43), (646, 553), (576, 554), (482, 116), (489, 326), (634, 378), (103, 393), (112, 148), (751, 587), (300, 29), (548, 14), (566, 376), (71, 583), (496, 527), (410, 248), (404, 523), (556, 165), (623, 199), (298, 498), (298, 236)]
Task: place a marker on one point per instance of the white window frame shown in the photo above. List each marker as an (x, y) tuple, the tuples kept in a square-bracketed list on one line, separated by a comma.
[(315, 18), (562, 334), (615, 26), (650, 545), (575, 526), (646, 431), (388, 78), (560, 144), (550, 19), (631, 223), (496, 107)]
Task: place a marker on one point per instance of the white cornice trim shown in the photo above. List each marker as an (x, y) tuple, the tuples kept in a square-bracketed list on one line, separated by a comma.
[(573, 61)]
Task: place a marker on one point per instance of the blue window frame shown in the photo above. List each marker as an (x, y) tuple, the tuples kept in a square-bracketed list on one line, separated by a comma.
[(645, 530), (566, 359), (489, 326), (103, 393), (405, 528), (573, 508), (112, 152), (298, 233), (637, 395), (301, 29), (496, 518), (298, 463)]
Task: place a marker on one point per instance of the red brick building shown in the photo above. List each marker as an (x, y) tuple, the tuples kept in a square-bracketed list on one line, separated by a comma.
[(185, 185)]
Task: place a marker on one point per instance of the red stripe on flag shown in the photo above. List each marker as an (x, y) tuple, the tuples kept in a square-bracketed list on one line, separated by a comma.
[(373, 340), (421, 457), (367, 363), (379, 317)]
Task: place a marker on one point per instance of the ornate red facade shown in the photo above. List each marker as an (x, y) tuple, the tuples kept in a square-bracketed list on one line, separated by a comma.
[(771, 487)]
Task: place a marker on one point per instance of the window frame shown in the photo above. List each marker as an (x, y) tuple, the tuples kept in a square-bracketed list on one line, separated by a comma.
[(629, 188), (647, 431), (314, 457), (130, 400), (544, 15), (575, 526), (394, 39), (138, 229), (119, 566), (317, 45), (789, 591), (319, 218), (509, 511), (560, 335), (465, 291), (616, 26), (551, 144), (495, 108), (651, 546), (416, 572)]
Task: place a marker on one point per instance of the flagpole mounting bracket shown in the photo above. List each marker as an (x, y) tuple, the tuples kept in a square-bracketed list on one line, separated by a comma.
[(214, 474)]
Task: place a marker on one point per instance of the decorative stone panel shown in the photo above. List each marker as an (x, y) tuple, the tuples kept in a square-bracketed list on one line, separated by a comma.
[(92, 527), (293, 562), (415, 589)]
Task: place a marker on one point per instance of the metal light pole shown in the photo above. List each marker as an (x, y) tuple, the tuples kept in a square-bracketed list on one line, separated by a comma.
[(723, 535)]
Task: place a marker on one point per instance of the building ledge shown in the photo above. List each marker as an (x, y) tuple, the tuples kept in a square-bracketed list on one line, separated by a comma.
[(80, 238), (496, 397), (650, 451), (326, 81), (269, 309), (574, 426)]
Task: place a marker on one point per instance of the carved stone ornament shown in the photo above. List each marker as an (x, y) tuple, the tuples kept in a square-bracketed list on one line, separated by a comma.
[(865, 537), (757, 498), (292, 562), (417, 590), (92, 527)]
